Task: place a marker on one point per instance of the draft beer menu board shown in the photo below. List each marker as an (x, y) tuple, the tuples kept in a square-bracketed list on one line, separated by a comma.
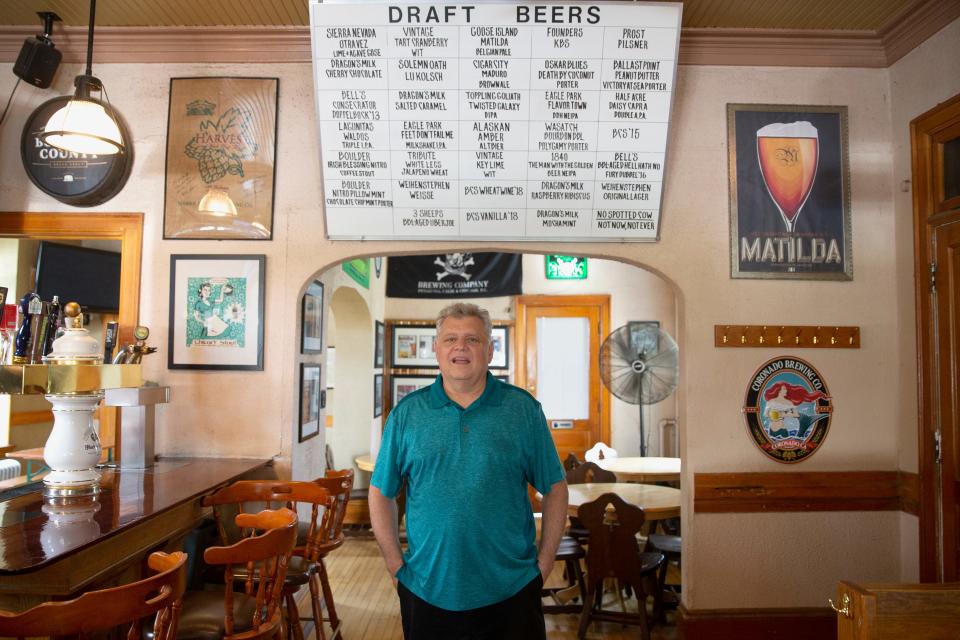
[(494, 121)]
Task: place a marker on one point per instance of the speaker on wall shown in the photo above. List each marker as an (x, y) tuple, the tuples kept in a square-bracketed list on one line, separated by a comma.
[(39, 59)]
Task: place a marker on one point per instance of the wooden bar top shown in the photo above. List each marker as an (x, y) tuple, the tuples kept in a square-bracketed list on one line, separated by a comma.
[(35, 533)]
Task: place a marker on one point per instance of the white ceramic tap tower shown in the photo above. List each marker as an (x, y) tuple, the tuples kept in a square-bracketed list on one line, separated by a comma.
[(73, 448)]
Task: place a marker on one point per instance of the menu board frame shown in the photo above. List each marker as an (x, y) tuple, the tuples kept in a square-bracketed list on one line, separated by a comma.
[(455, 194)]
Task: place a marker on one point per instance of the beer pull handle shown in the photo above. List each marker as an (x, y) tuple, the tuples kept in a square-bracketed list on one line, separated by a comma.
[(844, 610)]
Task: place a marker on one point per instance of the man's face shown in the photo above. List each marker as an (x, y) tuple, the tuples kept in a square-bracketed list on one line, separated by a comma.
[(463, 350)]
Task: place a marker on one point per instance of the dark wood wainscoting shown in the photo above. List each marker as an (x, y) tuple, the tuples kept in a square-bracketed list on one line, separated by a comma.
[(806, 491), (757, 624)]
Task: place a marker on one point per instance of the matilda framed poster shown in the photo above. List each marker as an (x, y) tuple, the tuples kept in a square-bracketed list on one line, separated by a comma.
[(221, 152), (216, 312), (789, 192)]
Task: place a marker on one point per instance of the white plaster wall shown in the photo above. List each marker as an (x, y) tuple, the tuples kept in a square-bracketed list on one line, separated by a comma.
[(245, 414), (924, 77)]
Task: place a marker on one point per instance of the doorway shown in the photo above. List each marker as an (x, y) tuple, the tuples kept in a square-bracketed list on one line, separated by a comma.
[(558, 346), (935, 140)]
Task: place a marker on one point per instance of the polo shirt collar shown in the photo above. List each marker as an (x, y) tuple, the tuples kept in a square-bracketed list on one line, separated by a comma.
[(492, 393)]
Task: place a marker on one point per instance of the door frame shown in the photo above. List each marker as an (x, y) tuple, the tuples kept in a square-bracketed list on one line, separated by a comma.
[(522, 303), (930, 212)]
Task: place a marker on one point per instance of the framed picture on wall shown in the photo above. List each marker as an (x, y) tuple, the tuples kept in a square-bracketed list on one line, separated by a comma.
[(413, 346), (216, 312), (501, 348), (402, 386), (644, 337), (378, 345), (789, 192), (221, 152), (309, 400), (377, 395), (311, 319)]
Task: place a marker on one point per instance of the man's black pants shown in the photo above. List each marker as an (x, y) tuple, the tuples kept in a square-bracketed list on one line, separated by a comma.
[(519, 617)]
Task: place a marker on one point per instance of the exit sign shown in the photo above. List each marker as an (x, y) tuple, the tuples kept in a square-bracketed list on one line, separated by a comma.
[(566, 268)]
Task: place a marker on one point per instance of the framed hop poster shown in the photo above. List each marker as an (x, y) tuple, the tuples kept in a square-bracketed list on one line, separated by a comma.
[(216, 312), (221, 151), (789, 192)]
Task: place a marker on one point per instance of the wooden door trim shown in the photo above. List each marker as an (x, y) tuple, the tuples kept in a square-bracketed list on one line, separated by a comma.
[(522, 303), (928, 215)]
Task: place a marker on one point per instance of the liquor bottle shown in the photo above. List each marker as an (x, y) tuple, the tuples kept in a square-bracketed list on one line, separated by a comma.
[(5, 351), (21, 345), (53, 327)]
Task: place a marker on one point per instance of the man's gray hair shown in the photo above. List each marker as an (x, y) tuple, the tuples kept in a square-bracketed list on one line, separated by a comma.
[(466, 310)]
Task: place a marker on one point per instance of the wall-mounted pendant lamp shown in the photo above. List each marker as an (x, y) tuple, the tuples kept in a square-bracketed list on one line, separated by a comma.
[(85, 124)]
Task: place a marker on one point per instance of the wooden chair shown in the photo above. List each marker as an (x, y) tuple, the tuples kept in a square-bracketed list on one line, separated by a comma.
[(106, 609), (571, 462), (614, 552), (339, 483), (314, 534), (669, 546), (581, 474), (259, 562)]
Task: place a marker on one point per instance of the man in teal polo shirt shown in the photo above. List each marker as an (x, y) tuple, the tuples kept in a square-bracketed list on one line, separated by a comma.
[(467, 447)]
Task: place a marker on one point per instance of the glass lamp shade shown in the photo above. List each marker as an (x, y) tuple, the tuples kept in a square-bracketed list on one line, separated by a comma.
[(83, 126), (217, 202)]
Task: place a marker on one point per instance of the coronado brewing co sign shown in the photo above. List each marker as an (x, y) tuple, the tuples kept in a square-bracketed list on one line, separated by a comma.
[(788, 409), (455, 275)]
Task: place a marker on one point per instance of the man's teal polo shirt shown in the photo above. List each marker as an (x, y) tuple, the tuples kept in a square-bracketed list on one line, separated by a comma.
[(470, 529)]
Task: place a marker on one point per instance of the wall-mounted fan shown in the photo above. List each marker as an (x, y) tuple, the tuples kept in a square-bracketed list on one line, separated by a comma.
[(639, 364)]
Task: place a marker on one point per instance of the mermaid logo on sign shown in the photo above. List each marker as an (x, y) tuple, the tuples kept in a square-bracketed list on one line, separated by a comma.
[(788, 409), (216, 312)]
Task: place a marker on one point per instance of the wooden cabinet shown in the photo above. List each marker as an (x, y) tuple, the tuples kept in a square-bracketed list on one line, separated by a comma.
[(898, 611)]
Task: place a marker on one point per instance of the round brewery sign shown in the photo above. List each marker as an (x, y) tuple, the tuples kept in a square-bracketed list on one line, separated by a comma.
[(78, 179), (788, 409)]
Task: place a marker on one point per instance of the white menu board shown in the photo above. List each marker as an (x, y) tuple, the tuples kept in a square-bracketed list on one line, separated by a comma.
[(494, 121)]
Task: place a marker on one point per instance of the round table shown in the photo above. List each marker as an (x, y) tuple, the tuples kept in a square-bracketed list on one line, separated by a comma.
[(364, 463), (658, 503), (643, 469)]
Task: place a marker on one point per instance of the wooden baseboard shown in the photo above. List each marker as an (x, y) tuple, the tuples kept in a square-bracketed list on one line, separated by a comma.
[(756, 624)]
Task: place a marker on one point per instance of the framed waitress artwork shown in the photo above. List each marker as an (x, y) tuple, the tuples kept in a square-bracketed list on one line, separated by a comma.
[(309, 401), (789, 192), (216, 312)]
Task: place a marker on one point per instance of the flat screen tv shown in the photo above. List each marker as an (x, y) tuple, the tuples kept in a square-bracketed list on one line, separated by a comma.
[(90, 277)]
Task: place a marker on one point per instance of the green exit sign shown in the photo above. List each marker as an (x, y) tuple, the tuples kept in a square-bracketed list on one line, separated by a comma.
[(566, 268)]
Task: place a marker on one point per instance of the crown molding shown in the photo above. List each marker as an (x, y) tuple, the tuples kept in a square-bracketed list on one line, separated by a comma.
[(730, 47), (781, 48), (904, 35)]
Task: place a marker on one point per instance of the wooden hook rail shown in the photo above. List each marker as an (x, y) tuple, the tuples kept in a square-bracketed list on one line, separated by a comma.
[(791, 336)]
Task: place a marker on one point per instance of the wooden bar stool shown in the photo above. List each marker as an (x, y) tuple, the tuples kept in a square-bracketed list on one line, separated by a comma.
[(258, 562), (304, 564), (106, 609)]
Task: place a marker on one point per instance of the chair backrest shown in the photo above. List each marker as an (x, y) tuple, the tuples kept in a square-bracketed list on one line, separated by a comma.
[(599, 451), (339, 483), (590, 472), (264, 558), (247, 495), (613, 550), (571, 462), (159, 594)]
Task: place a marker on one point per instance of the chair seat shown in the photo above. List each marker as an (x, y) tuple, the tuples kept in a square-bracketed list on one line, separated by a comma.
[(569, 549), (201, 617), (651, 560), (670, 545)]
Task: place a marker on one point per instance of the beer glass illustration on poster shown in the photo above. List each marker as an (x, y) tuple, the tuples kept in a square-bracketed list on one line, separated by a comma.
[(789, 192)]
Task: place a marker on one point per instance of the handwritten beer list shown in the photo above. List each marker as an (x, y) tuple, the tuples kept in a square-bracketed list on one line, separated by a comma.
[(528, 122)]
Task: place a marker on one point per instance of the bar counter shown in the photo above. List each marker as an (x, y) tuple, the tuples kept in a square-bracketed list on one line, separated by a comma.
[(49, 550)]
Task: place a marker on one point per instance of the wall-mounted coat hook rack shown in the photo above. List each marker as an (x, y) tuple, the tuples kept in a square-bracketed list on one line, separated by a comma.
[(793, 336)]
